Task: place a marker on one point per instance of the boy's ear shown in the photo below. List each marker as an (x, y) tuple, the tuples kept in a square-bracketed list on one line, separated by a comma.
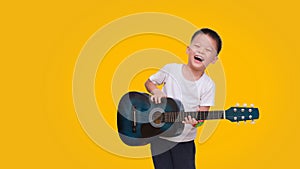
[(215, 59), (187, 50)]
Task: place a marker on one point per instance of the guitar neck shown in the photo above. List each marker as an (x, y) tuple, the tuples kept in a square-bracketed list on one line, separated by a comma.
[(198, 115)]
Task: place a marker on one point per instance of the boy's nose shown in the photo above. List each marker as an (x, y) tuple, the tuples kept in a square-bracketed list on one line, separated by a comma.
[(200, 50)]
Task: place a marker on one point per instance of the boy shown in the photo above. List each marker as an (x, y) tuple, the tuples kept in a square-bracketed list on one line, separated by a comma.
[(189, 84)]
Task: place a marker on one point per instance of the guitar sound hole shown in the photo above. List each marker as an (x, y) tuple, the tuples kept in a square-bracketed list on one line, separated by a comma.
[(157, 117)]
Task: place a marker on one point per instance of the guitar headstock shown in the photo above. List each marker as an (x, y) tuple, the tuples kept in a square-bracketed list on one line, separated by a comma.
[(237, 114)]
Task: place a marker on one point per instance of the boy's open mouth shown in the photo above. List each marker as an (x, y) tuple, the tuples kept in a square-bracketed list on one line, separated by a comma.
[(198, 58)]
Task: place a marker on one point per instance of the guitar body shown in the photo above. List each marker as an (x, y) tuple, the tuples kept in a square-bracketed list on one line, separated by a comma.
[(139, 120)]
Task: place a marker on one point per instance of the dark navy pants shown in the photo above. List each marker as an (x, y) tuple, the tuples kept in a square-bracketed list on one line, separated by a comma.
[(171, 155)]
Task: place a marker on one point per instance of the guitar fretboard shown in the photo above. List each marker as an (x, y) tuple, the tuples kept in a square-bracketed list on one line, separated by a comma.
[(198, 115)]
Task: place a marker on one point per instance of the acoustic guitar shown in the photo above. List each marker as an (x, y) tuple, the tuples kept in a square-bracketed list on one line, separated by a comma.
[(139, 120)]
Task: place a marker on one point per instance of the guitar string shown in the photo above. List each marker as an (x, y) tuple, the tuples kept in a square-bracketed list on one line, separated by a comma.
[(204, 115)]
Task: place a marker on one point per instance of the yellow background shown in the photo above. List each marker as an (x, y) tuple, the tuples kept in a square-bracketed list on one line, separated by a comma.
[(40, 42)]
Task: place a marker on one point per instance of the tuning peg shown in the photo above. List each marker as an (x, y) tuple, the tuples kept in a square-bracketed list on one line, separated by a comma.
[(245, 122), (235, 110), (242, 110), (253, 122), (252, 105), (237, 104), (250, 116), (238, 123), (245, 105)]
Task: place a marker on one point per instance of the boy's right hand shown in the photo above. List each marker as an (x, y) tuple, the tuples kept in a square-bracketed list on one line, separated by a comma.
[(157, 95)]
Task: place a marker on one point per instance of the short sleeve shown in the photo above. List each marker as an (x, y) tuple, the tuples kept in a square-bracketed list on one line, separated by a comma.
[(207, 98), (160, 77)]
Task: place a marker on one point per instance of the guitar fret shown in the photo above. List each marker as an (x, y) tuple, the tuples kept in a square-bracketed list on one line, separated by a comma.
[(174, 116), (173, 119), (179, 116)]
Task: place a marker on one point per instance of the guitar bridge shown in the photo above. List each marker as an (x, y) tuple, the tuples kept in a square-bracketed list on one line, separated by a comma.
[(134, 119)]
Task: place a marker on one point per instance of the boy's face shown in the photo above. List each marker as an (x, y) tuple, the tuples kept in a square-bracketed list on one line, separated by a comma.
[(202, 51)]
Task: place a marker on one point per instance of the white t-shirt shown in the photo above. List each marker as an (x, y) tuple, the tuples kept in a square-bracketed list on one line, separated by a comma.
[(191, 94)]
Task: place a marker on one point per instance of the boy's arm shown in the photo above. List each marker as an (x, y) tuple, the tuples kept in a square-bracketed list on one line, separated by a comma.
[(157, 94), (204, 108)]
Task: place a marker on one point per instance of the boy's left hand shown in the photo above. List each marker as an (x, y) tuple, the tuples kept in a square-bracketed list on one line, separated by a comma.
[(190, 120)]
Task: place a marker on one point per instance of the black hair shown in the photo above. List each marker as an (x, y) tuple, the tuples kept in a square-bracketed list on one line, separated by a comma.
[(211, 33)]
